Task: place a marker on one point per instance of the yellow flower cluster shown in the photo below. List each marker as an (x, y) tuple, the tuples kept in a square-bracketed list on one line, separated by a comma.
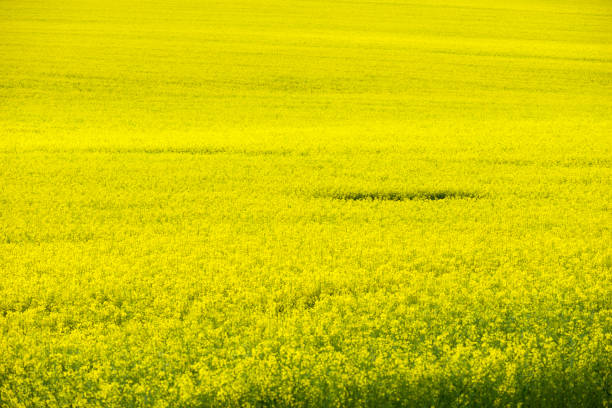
[(305, 203)]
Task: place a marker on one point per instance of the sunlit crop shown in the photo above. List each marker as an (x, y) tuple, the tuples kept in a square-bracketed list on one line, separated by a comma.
[(305, 203)]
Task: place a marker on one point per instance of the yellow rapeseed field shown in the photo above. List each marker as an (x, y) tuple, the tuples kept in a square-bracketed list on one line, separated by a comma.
[(305, 203)]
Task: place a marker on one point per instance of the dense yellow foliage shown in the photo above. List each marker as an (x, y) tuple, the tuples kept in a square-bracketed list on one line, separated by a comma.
[(305, 203)]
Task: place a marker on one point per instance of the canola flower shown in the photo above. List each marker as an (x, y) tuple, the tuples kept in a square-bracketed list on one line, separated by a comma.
[(257, 203)]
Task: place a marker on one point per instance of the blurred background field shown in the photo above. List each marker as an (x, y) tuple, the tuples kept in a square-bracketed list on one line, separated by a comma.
[(305, 203)]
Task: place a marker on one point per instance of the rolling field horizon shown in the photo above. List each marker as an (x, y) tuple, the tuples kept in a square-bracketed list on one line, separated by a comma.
[(305, 203)]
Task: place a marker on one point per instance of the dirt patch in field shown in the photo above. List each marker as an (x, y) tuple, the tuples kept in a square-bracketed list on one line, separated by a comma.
[(425, 195)]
